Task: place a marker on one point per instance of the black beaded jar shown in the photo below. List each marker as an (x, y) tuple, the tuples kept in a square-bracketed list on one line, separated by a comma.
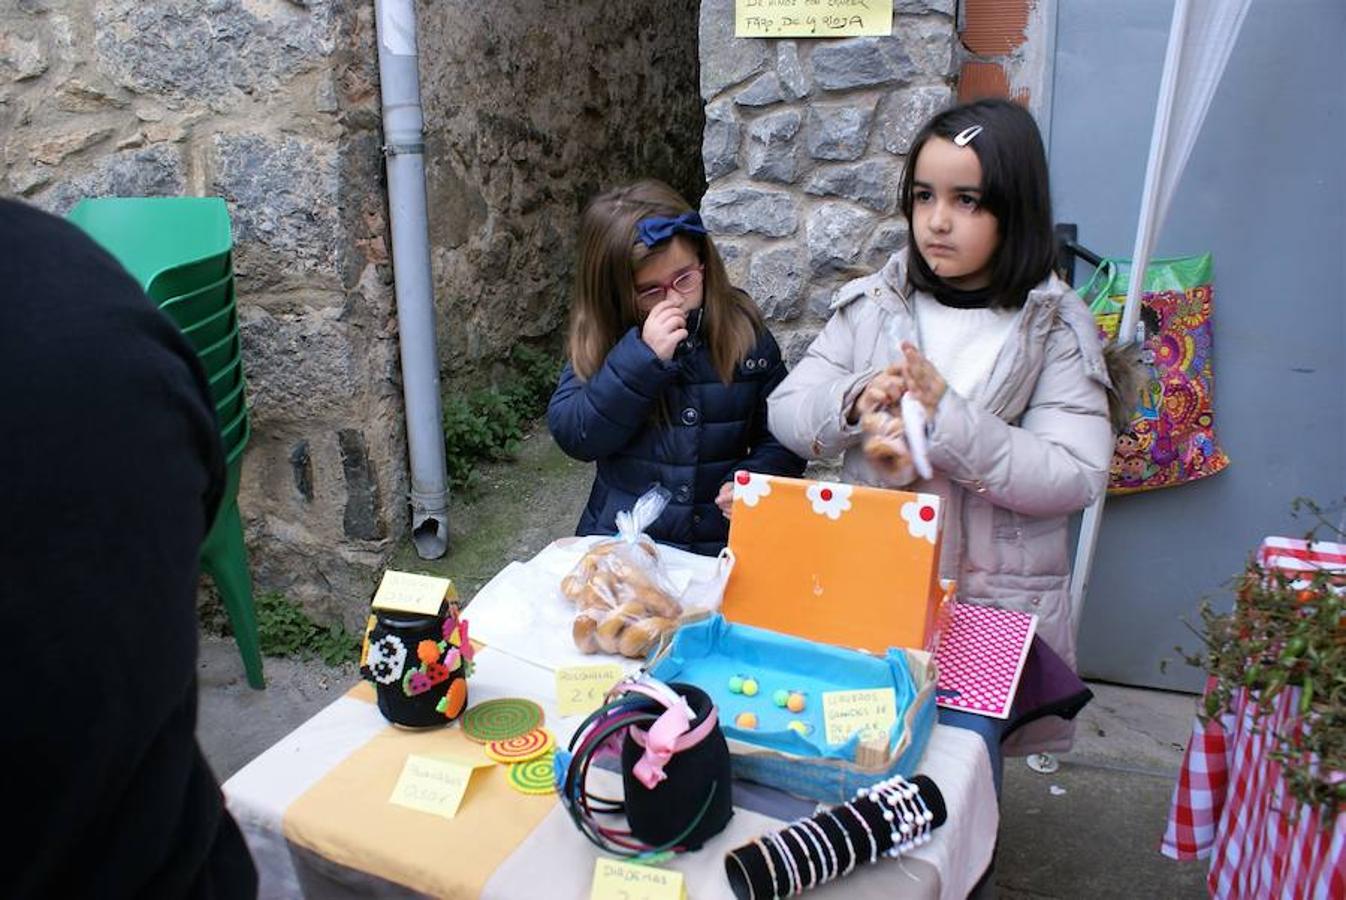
[(418, 669)]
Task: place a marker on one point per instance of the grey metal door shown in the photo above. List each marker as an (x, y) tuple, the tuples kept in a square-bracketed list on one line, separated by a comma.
[(1265, 192)]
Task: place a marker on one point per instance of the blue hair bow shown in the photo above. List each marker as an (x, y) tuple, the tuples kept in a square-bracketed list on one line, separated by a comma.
[(657, 229)]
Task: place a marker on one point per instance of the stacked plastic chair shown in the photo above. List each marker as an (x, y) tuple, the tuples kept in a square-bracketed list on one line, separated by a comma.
[(179, 249)]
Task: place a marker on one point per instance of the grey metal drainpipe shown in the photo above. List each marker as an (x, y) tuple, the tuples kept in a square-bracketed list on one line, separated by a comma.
[(404, 150)]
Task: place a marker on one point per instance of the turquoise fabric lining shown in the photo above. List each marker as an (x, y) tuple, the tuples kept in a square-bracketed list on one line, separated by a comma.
[(708, 653)]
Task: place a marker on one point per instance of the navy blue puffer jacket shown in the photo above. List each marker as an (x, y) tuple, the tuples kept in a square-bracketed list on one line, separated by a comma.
[(712, 430)]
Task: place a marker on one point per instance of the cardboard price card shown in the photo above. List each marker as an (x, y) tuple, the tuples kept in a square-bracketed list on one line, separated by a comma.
[(580, 689), (404, 592), (845, 712), (617, 880), (431, 785), (812, 18)]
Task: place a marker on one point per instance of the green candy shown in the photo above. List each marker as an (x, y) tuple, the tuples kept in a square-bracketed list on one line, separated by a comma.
[(735, 684), (781, 697)]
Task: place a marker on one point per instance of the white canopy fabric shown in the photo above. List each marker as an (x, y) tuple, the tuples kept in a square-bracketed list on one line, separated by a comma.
[(1200, 41)]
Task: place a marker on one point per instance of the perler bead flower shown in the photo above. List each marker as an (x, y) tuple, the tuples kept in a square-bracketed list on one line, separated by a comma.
[(922, 516), (750, 488), (829, 499), (387, 658), (427, 651)]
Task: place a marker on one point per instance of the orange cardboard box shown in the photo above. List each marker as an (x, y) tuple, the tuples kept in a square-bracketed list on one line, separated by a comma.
[(844, 564)]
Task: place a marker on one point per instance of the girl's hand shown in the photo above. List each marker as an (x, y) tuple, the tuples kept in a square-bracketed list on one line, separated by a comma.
[(725, 499), (884, 390), (885, 444), (665, 327), (922, 378)]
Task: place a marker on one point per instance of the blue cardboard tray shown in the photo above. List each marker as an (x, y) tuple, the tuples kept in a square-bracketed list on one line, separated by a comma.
[(707, 653)]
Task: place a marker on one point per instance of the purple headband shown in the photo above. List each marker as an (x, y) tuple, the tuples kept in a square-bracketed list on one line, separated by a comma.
[(657, 229)]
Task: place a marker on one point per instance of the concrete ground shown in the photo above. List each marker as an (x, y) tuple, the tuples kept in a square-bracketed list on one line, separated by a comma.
[(1091, 829)]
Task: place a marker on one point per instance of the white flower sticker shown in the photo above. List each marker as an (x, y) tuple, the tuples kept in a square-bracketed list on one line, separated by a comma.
[(387, 658), (751, 487), (829, 499), (922, 516)]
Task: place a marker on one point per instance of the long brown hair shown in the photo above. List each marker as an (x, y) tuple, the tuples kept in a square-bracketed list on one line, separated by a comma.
[(604, 305)]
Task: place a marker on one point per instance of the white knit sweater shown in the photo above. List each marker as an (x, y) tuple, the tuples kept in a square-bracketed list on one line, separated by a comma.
[(961, 343)]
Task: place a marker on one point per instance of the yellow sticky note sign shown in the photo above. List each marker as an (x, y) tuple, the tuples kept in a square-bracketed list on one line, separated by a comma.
[(432, 785), (810, 18), (580, 689), (617, 880), (846, 712), (404, 592)]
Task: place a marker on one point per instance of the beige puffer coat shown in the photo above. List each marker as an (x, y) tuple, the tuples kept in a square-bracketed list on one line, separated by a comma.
[(1012, 463)]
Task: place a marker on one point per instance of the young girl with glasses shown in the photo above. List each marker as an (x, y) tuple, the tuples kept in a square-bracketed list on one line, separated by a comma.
[(1002, 356), (669, 370)]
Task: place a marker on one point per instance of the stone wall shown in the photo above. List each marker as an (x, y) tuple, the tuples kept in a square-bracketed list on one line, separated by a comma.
[(273, 105), (803, 151), (530, 110)]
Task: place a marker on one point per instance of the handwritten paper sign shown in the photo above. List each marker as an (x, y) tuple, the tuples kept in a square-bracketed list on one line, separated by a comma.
[(580, 689), (404, 592), (616, 880), (846, 712), (812, 18), (431, 785)]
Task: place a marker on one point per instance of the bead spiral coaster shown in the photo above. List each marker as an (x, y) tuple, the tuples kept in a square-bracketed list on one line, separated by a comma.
[(886, 819)]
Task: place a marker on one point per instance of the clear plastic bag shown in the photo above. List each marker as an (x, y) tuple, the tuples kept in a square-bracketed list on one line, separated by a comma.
[(625, 601)]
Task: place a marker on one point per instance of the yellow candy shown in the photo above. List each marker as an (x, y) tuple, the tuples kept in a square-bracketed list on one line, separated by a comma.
[(750, 687), (800, 728)]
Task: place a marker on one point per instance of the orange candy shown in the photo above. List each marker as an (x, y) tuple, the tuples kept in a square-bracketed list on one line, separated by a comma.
[(746, 721)]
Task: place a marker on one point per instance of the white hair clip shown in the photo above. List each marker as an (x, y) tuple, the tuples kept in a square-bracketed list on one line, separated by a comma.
[(964, 137)]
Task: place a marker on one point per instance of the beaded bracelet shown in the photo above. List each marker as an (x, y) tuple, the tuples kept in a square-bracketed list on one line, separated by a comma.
[(850, 865), (824, 848), (808, 858), (770, 866), (747, 879), (786, 865), (864, 823)]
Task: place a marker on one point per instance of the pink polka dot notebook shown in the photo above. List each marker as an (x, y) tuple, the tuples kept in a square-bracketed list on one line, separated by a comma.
[(981, 657)]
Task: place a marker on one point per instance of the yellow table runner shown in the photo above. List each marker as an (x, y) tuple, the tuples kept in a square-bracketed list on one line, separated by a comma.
[(346, 816)]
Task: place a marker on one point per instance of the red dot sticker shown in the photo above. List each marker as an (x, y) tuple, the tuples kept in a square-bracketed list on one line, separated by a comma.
[(927, 513), (742, 478), (825, 493)]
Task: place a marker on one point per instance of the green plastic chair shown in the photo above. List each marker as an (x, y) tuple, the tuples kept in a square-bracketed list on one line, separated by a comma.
[(217, 356), (152, 235), (175, 282), (235, 434), (228, 409), (179, 250), (224, 557), (223, 382), (213, 328), (196, 306)]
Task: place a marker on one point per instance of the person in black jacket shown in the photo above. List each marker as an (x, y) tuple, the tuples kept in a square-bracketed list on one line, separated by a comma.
[(110, 473), (670, 367)]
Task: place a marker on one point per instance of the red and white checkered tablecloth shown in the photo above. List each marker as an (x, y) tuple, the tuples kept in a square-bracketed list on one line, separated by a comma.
[(1231, 804)]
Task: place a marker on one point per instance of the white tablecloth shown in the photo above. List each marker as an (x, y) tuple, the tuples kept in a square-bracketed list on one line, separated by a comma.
[(259, 794)]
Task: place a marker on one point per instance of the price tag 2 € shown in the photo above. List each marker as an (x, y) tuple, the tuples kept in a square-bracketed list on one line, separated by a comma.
[(580, 689), (617, 880)]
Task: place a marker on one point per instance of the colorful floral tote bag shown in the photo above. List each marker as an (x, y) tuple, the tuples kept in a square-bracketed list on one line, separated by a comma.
[(1171, 439)]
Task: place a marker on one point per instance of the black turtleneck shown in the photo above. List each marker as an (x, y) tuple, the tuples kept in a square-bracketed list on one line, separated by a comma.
[(948, 295)]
